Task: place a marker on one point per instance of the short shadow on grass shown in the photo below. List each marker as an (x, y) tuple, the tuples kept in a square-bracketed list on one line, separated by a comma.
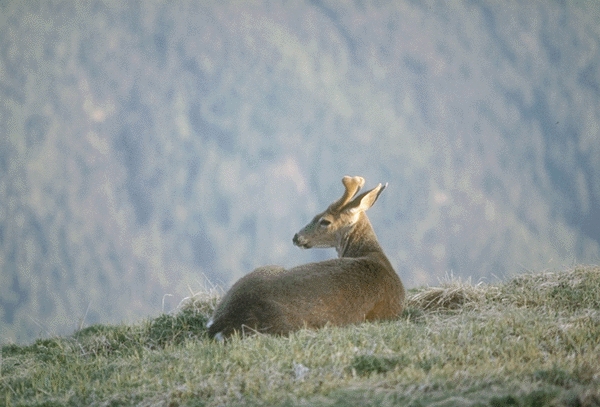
[(364, 365), (414, 315), (536, 398), (583, 374), (555, 376)]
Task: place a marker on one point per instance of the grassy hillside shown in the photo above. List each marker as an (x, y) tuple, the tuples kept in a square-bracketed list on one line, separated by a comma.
[(534, 340)]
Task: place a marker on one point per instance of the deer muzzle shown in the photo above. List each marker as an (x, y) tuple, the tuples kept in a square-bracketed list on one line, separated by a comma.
[(300, 241)]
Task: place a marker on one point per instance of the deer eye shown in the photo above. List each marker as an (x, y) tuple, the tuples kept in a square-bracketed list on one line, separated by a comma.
[(324, 222)]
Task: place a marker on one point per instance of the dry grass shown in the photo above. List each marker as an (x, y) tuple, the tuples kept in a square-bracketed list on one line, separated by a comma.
[(203, 301), (451, 295)]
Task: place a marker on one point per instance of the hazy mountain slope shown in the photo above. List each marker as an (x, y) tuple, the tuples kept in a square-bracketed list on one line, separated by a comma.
[(144, 145)]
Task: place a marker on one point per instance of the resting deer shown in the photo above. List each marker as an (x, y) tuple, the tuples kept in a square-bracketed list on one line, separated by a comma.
[(360, 285)]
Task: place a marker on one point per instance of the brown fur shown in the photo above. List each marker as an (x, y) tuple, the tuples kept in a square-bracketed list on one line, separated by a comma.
[(360, 285)]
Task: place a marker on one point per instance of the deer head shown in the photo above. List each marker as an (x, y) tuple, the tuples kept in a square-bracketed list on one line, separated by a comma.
[(328, 228)]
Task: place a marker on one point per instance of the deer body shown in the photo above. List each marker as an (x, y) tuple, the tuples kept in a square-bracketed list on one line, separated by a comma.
[(360, 285)]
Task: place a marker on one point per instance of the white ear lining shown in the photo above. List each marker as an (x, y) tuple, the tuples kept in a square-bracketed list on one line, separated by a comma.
[(369, 196)]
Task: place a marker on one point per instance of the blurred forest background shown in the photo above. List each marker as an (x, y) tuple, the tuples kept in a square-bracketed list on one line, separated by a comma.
[(146, 146)]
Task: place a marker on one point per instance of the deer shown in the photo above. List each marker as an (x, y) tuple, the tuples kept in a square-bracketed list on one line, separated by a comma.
[(360, 285)]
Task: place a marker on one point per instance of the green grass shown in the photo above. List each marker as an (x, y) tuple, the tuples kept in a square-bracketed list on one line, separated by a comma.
[(531, 341)]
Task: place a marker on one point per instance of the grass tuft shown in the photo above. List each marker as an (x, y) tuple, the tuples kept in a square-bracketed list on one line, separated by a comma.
[(174, 329), (364, 365), (452, 295)]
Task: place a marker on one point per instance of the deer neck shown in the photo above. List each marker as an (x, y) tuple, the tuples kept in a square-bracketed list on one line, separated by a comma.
[(359, 240)]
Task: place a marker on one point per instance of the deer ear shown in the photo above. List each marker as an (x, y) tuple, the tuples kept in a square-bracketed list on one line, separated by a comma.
[(365, 200)]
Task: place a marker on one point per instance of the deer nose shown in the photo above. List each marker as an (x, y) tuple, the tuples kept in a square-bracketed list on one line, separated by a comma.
[(300, 241)]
